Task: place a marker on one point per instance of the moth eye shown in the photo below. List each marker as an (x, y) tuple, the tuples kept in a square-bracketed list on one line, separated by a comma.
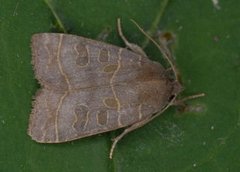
[(82, 55), (110, 68), (171, 97), (111, 102), (102, 117), (103, 56)]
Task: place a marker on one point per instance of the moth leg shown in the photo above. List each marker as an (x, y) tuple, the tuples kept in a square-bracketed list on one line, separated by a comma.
[(126, 131), (135, 48)]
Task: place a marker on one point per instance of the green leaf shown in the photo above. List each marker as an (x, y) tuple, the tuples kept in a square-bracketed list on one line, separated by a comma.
[(204, 137)]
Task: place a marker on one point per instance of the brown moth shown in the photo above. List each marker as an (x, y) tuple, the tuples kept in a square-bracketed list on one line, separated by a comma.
[(90, 87)]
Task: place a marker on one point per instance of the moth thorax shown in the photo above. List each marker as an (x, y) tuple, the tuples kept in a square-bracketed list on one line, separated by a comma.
[(155, 93)]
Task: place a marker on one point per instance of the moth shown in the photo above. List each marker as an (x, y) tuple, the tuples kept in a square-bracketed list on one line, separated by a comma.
[(90, 87)]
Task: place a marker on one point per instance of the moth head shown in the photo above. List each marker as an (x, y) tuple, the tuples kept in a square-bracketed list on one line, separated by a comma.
[(176, 88)]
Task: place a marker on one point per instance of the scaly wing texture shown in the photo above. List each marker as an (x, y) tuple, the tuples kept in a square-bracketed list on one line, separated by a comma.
[(89, 87)]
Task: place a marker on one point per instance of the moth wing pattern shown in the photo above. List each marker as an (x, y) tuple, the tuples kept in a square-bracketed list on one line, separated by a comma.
[(84, 62), (90, 87)]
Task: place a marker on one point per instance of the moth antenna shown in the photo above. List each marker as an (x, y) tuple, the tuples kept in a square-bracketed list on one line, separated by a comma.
[(181, 101), (135, 48), (164, 50)]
